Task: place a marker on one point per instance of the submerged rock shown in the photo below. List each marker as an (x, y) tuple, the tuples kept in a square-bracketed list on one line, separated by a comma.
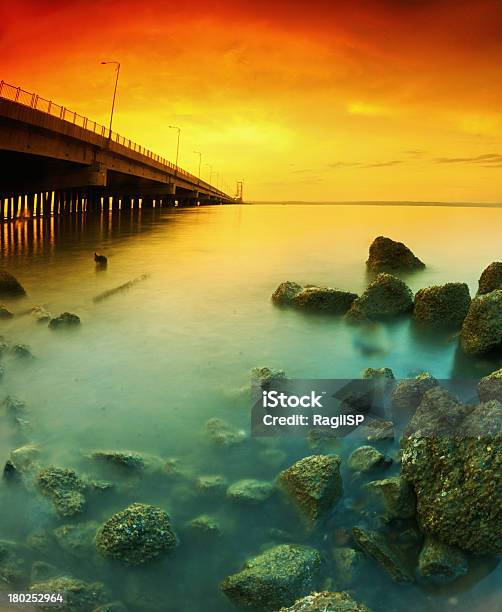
[(21, 350), (79, 596), (5, 313), (126, 459), (442, 305), (324, 299), (387, 255), (388, 555), (77, 540), (9, 470), (223, 434), (347, 565), (41, 571), (205, 526), (367, 458), (452, 455), (407, 394), (386, 296), (64, 488), (375, 430), (395, 495), (24, 456), (137, 535), (10, 286), (250, 491), (482, 328), (314, 484), (490, 387), (40, 314), (491, 278), (275, 578), (439, 562), (378, 373), (264, 375), (326, 601), (14, 407), (285, 292), (66, 320), (212, 485), (13, 569)]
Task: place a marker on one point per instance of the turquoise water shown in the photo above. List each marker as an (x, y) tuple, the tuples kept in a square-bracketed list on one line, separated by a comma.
[(149, 366)]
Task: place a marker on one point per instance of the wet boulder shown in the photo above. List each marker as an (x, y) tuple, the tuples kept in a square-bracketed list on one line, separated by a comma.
[(205, 526), (490, 387), (324, 299), (347, 562), (137, 535), (79, 596), (366, 459), (65, 489), (326, 601), (250, 491), (22, 351), (10, 286), (408, 393), (386, 296), (66, 320), (24, 456), (440, 562), (452, 456), (285, 292), (224, 434), (387, 255), (263, 375), (389, 556), (124, 459), (395, 496), (275, 578), (442, 305), (5, 313), (212, 485), (377, 430), (314, 484), (40, 314), (482, 328), (378, 373), (491, 278)]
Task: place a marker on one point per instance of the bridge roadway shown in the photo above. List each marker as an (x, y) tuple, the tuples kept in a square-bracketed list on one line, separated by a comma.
[(55, 160)]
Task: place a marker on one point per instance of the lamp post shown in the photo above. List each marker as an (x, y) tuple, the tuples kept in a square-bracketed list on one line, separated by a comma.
[(114, 96), (200, 161), (175, 127), (210, 172)]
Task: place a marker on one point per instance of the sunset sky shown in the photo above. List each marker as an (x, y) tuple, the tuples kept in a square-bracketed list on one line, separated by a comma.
[(319, 100)]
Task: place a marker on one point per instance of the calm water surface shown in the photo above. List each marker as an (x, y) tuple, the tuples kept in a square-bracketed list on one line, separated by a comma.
[(149, 366)]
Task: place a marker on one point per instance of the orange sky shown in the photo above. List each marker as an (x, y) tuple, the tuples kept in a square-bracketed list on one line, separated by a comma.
[(319, 100)]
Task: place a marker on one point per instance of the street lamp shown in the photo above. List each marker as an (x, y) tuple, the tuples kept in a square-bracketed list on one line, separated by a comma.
[(200, 160), (210, 172), (114, 95), (174, 127)]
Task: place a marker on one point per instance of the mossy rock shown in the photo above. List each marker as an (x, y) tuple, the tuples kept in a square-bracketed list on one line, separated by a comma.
[(482, 327), (125, 459), (66, 320), (366, 459), (490, 387), (250, 491), (439, 562), (64, 487), (275, 578), (324, 299), (326, 601), (224, 434), (491, 278), (79, 596), (387, 255), (396, 497), (386, 296), (285, 293), (213, 485), (443, 306), (77, 540)]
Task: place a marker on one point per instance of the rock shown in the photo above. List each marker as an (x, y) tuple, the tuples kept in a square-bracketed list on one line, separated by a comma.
[(324, 299), (378, 373), (22, 351), (452, 456), (395, 495), (126, 459), (407, 394), (205, 526), (285, 292), (490, 387), (442, 305), (367, 458), (41, 542), (326, 601), (66, 320), (314, 484), (250, 491), (113, 606), (40, 314), (386, 296), (5, 313), (275, 578), (10, 286), (212, 485), (13, 570), (79, 596), (223, 434), (64, 488), (347, 565), (25, 456), (77, 541), (10, 471), (42, 571), (137, 535), (375, 430), (439, 562), (14, 407), (491, 278), (389, 556), (273, 457), (265, 375), (482, 328), (387, 255)]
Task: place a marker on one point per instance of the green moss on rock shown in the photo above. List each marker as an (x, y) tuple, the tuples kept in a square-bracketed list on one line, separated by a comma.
[(491, 278), (64, 487), (250, 491), (482, 328), (386, 296), (326, 601), (324, 299), (386, 254), (439, 562), (442, 305), (79, 596), (285, 292)]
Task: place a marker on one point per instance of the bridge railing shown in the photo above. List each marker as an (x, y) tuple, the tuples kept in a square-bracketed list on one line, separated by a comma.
[(32, 100)]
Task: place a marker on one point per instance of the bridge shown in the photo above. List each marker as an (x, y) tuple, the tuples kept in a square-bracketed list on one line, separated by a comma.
[(53, 160)]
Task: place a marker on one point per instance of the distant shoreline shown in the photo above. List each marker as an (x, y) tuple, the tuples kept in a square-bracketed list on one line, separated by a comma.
[(380, 203)]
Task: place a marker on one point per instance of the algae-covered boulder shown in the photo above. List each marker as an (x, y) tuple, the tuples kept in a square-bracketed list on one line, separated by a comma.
[(224, 434), (125, 459), (66, 320), (347, 563), (386, 296), (314, 484), (64, 487), (13, 569), (77, 540), (452, 456), (367, 458), (378, 374), (264, 374), (408, 393), (442, 305), (212, 485), (482, 328), (439, 562), (250, 491), (79, 596), (491, 278), (396, 497), (324, 299), (388, 555), (490, 387), (275, 578), (205, 526), (326, 601), (285, 292), (387, 255), (10, 286), (136, 535)]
